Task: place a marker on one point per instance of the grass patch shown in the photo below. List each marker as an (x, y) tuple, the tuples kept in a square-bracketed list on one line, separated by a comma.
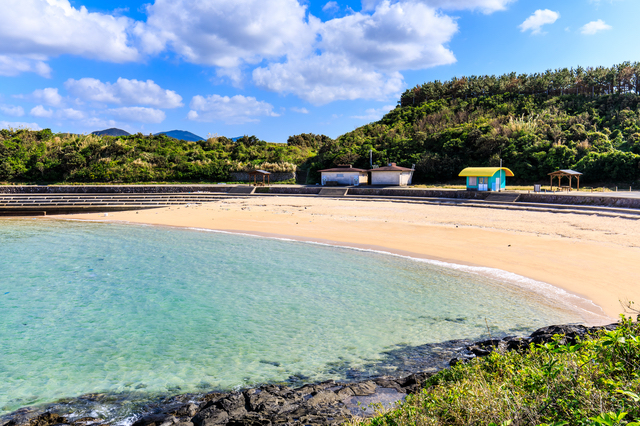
[(595, 381)]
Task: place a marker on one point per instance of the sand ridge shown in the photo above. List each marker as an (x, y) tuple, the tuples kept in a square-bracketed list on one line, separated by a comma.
[(592, 256)]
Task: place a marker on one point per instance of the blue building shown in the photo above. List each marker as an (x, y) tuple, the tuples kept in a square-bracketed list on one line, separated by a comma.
[(486, 178)]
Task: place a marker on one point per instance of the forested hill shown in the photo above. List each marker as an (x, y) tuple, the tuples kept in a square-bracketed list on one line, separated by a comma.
[(583, 119), (588, 120)]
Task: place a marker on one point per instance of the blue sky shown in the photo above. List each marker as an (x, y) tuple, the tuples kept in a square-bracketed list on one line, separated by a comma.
[(275, 68)]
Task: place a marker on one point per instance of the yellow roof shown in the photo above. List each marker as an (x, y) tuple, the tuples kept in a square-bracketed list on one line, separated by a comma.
[(484, 171)]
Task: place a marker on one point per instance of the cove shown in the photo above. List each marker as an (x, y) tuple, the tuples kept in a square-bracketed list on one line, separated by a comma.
[(148, 311)]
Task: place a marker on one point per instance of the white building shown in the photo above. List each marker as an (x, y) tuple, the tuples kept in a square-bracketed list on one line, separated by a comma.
[(344, 175), (391, 175)]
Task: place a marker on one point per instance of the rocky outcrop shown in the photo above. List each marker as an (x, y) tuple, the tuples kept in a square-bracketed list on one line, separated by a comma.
[(326, 403)]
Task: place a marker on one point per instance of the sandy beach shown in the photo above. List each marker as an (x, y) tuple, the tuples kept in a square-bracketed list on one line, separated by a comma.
[(595, 257)]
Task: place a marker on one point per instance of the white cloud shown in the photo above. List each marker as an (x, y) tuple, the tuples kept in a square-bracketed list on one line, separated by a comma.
[(70, 114), (232, 110), (226, 33), (123, 92), (540, 17), (485, 6), (300, 110), (594, 27), (331, 6), (138, 114), (12, 65), (12, 110), (54, 27), (42, 112), (373, 114), (48, 96), (19, 125), (360, 55)]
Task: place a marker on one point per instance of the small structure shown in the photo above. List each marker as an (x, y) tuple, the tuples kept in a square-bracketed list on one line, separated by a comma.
[(562, 173), (486, 178), (344, 175), (258, 173), (391, 175)]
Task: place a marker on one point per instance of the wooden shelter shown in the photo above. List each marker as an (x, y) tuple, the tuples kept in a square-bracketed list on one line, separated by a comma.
[(562, 173), (263, 173)]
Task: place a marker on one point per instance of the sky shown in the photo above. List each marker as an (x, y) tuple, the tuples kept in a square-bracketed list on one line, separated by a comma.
[(276, 68)]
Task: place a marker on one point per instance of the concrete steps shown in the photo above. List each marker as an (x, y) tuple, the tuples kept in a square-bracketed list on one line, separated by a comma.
[(503, 197), (333, 192)]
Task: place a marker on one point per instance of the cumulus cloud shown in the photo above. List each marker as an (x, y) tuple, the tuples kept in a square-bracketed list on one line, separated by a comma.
[(485, 6), (123, 92), (360, 55), (19, 125), (55, 27), (12, 110), (41, 111), (70, 114), (138, 114), (594, 27), (540, 17), (374, 113), (331, 6), (226, 33), (300, 110), (231, 110), (12, 65), (48, 96)]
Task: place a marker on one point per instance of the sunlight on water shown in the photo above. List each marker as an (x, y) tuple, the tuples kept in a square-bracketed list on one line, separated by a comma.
[(89, 307)]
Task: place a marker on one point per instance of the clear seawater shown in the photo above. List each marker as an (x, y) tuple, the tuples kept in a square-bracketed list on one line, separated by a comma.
[(93, 307)]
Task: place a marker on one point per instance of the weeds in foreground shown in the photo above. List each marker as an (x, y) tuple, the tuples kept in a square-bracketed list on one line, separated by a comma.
[(595, 381)]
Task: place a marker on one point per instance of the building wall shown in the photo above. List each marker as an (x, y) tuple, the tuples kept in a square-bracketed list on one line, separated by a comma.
[(344, 178), (474, 181), (391, 178)]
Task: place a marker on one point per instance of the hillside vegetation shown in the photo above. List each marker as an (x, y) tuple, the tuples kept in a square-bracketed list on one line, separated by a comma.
[(583, 119), (592, 382), (588, 120)]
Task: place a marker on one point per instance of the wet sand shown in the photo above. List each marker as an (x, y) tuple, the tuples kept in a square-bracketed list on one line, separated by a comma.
[(595, 257)]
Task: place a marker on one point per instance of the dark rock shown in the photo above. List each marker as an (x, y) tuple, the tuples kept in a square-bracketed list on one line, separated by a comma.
[(231, 402), (184, 424), (364, 388), (323, 397), (187, 410), (384, 382), (210, 416), (48, 419), (151, 420)]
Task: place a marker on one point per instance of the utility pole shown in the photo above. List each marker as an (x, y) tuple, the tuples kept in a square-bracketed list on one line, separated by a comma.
[(371, 159)]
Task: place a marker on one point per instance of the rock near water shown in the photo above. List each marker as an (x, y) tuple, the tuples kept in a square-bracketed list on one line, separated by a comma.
[(326, 403)]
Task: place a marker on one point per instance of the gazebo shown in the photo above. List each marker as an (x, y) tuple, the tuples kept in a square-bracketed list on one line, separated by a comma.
[(562, 173), (263, 173)]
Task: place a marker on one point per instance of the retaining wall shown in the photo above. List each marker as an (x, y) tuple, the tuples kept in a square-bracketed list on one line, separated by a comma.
[(581, 200), (273, 177), (111, 189)]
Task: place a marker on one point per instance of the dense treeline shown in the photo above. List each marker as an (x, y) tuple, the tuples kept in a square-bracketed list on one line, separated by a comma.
[(41, 156), (533, 135), (620, 79)]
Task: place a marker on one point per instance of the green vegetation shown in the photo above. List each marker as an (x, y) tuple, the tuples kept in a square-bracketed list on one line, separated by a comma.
[(583, 119), (588, 120), (592, 382), (30, 156)]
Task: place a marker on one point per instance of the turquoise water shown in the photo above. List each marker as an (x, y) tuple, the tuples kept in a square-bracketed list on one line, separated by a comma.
[(90, 307)]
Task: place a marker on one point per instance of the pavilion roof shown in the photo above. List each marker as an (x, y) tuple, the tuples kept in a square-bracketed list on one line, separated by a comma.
[(565, 172)]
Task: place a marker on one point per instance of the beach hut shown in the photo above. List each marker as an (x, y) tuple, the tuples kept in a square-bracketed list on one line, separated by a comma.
[(344, 175), (486, 178), (391, 175), (562, 173), (260, 173)]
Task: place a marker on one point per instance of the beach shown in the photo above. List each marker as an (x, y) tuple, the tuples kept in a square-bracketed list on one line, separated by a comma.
[(595, 257)]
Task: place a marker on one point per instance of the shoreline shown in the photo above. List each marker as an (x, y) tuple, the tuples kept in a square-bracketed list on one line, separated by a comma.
[(576, 253)]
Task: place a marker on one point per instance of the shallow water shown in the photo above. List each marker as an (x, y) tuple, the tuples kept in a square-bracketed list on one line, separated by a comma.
[(90, 307)]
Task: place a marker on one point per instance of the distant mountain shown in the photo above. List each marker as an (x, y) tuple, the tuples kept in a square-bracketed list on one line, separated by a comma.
[(236, 138), (182, 135), (111, 132)]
